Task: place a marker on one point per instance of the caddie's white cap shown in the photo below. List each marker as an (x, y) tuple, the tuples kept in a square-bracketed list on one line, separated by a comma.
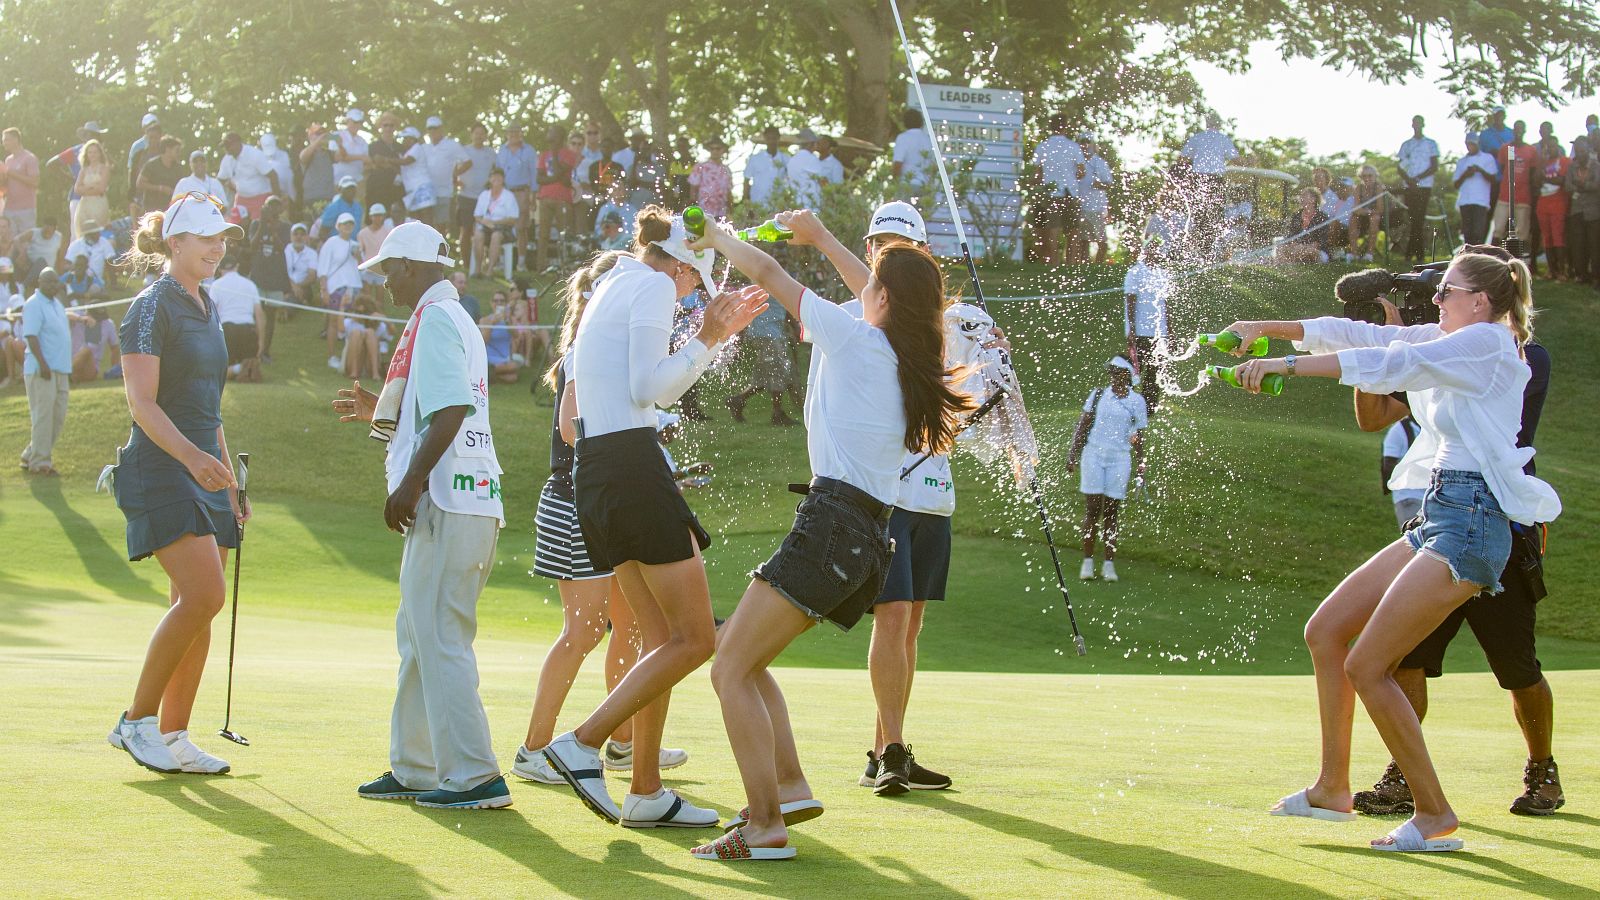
[(189, 215), (900, 218), (148, 120), (417, 241), (410, 132), (435, 122), (343, 218), (677, 247), (355, 115), (5, 264), (349, 181), (376, 209), (1121, 362)]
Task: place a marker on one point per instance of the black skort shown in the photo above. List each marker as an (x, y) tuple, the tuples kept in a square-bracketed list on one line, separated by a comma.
[(920, 563), (832, 563), (629, 508)]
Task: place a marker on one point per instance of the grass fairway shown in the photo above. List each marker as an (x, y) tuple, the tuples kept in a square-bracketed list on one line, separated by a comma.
[(1142, 768)]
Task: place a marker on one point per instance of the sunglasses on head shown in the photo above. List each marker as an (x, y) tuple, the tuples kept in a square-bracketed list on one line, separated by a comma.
[(199, 196)]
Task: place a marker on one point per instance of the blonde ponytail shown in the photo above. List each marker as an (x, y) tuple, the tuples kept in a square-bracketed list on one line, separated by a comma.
[(573, 299), (149, 250), (1509, 286), (1522, 311)]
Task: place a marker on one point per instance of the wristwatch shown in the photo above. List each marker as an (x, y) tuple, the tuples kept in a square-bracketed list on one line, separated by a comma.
[(1288, 364)]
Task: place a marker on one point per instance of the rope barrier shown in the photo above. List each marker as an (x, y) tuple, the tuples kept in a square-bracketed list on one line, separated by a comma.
[(286, 304)]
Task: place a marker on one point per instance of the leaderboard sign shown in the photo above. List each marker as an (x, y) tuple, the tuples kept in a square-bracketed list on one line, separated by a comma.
[(979, 130)]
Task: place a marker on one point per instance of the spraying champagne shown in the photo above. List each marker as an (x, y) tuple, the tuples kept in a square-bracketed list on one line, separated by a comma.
[(768, 232), (1271, 383), (1229, 341)]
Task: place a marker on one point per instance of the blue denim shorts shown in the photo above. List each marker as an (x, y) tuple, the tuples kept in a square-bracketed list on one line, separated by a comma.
[(1463, 527)]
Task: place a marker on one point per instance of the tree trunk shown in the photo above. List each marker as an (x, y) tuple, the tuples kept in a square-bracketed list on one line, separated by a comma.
[(874, 51)]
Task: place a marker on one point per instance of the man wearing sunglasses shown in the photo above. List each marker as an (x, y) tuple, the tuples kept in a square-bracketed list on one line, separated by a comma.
[(444, 496)]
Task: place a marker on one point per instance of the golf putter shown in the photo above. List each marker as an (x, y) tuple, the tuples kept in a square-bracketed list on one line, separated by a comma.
[(233, 625)]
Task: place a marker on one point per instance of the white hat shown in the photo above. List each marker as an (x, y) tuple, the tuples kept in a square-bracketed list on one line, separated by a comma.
[(94, 127), (188, 215), (5, 264), (1496, 109), (299, 226), (1121, 362), (900, 218), (413, 240), (355, 115), (148, 120), (1472, 137), (376, 209), (677, 246), (410, 132), (348, 181), (196, 154), (434, 122), (343, 218)]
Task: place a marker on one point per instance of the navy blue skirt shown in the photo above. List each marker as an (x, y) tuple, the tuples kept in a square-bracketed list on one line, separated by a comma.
[(162, 502)]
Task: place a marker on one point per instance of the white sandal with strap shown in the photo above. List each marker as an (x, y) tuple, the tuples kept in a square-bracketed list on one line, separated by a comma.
[(1407, 839), (1300, 805)]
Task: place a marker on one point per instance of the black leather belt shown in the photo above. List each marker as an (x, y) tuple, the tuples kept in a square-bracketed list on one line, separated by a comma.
[(874, 508)]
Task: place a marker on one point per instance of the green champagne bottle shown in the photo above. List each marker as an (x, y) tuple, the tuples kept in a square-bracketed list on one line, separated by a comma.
[(768, 232), (1229, 341), (1271, 384), (694, 221)]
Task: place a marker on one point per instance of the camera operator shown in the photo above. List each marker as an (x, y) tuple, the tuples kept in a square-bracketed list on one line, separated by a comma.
[(1466, 377), (1503, 625)]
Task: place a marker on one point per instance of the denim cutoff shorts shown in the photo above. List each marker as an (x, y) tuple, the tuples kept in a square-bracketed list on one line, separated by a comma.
[(1463, 527)]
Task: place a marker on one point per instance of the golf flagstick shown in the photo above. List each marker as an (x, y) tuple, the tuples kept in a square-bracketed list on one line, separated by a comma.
[(233, 625), (977, 287)]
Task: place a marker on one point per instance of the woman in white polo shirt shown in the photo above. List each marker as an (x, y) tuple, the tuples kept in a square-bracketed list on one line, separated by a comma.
[(633, 517), (339, 270)]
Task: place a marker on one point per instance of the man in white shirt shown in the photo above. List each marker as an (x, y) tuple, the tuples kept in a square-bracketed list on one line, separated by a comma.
[(1209, 151), (804, 172), (1419, 159), (445, 154), (251, 175), (96, 246), (1474, 179), (764, 170), (913, 153), (279, 160), (832, 168), (243, 319), (444, 496), (472, 177), (1093, 195), (350, 150), (301, 260), (1062, 169), (420, 200), (1144, 319), (200, 180)]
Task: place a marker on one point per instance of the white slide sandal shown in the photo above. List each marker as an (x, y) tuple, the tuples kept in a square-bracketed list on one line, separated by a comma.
[(794, 812), (1299, 805), (1407, 839)]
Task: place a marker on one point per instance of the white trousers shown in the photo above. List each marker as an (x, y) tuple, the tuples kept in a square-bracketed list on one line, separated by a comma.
[(439, 734)]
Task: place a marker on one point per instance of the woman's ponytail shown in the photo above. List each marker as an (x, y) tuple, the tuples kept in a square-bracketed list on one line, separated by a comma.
[(1509, 286), (1521, 311), (149, 250)]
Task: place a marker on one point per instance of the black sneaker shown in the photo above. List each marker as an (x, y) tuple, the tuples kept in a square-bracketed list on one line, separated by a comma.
[(869, 778), (1390, 796), (894, 776), (923, 779), (1533, 801), (387, 787)]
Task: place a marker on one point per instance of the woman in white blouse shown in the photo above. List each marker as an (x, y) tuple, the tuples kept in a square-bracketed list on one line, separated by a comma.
[(496, 217), (1464, 377)]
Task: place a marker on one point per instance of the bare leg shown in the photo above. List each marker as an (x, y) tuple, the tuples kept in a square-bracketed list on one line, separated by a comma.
[(178, 701), (792, 784), (622, 651), (760, 628), (583, 622), (1111, 508), (1416, 602), (1091, 521), (913, 629), (889, 669), (1535, 709), (1415, 684), (333, 334), (1328, 635), (193, 564)]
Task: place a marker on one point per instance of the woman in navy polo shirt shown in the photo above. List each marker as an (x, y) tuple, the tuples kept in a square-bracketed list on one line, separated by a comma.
[(173, 482)]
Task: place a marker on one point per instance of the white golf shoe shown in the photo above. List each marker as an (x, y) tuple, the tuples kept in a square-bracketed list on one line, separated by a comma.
[(579, 766), (618, 757), (530, 765), (191, 758), (1108, 571), (665, 810), (1086, 571), (141, 739)]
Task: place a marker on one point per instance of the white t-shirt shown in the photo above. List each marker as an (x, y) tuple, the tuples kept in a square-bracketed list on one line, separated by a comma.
[(302, 263), (207, 185), (1475, 191), (1415, 156), (497, 209), (855, 414), (416, 174), (441, 165), (250, 171), (100, 253), (339, 261), (832, 169), (1338, 209), (237, 298), (803, 172), (930, 489), (1057, 157), (1395, 444), (1209, 152), (1150, 286), (764, 172), (1116, 419), (355, 145), (279, 160), (620, 357), (1095, 169), (914, 151)]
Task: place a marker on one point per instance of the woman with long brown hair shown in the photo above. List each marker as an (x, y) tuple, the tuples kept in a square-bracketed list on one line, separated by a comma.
[(880, 390), (590, 597), (1465, 378)]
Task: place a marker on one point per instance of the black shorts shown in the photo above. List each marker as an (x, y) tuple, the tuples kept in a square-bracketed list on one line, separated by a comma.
[(919, 565), (629, 508), (832, 563), (1063, 212), (1502, 623), (241, 341)]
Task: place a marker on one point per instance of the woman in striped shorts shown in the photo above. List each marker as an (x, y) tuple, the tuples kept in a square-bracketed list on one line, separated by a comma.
[(589, 596)]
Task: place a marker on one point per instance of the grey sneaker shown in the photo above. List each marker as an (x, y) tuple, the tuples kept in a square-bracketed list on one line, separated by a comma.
[(532, 766)]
